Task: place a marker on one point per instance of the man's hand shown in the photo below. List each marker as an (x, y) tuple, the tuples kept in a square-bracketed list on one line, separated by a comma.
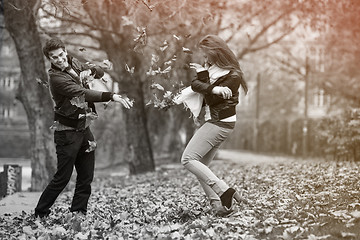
[(125, 101), (225, 92), (85, 75)]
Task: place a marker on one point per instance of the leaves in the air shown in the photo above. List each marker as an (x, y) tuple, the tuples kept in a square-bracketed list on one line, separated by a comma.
[(187, 50), (154, 59), (157, 86), (152, 72), (164, 46), (79, 102), (107, 64), (42, 83), (89, 116), (168, 95), (92, 146), (126, 21), (82, 49), (106, 104), (128, 69), (141, 39), (55, 125)]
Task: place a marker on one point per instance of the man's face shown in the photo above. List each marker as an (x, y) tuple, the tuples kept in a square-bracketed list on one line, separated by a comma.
[(58, 57)]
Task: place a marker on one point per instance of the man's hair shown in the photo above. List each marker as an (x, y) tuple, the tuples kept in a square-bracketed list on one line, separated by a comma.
[(52, 44)]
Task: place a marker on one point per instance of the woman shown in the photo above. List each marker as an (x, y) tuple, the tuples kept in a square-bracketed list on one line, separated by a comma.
[(218, 81)]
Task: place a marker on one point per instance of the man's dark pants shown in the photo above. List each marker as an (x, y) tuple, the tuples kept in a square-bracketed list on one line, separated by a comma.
[(71, 150)]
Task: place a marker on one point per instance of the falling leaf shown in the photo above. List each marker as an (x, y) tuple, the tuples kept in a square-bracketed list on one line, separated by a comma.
[(166, 70), (89, 116), (126, 21), (348, 235), (127, 68), (157, 86), (106, 104), (92, 146), (79, 102), (187, 50), (55, 125), (163, 48), (42, 83), (168, 94), (82, 49), (107, 65), (150, 72), (176, 37), (154, 59)]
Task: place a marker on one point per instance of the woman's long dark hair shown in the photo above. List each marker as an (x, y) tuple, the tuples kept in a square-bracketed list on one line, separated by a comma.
[(219, 53)]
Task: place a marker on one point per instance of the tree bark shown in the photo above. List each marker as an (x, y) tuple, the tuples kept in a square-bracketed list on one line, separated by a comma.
[(35, 97), (140, 155)]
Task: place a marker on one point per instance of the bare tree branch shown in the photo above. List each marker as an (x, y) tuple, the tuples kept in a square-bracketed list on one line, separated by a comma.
[(178, 10), (75, 20), (270, 24), (290, 68), (57, 32), (254, 49), (147, 5), (246, 20), (16, 8)]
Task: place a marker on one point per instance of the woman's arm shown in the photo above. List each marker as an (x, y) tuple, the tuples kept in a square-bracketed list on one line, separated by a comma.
[(202, 83), (228, 88)]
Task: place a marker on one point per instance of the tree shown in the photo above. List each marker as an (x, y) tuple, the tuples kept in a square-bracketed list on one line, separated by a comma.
[(32, 93), (342, 34)]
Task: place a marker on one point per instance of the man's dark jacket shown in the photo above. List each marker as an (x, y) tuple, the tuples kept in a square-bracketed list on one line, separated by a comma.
[(70, 94)]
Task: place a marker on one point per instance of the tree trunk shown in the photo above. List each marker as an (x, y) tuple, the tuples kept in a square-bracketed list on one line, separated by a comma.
[(35, 97), (140, 155)]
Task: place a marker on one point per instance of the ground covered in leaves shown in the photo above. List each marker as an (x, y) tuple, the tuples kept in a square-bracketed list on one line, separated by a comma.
[(287, 200)]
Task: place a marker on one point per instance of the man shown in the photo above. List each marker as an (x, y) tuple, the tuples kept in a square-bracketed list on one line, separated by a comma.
[(74, 110)]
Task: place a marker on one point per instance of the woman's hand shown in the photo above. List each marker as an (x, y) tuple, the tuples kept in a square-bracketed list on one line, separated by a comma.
[(225, 92), (125, 101), (197, 67)]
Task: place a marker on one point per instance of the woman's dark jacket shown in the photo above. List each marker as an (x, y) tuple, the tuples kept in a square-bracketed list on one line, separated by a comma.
[(67, 89), (220, 108)]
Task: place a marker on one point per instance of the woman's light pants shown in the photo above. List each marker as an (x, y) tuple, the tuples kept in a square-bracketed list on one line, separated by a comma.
[(199, 152)]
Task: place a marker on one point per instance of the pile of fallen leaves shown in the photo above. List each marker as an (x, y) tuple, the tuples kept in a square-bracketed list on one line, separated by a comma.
[(290, 200)]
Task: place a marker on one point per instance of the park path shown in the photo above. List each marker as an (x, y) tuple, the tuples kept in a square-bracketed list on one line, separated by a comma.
[(26, 201), (251, 158)]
